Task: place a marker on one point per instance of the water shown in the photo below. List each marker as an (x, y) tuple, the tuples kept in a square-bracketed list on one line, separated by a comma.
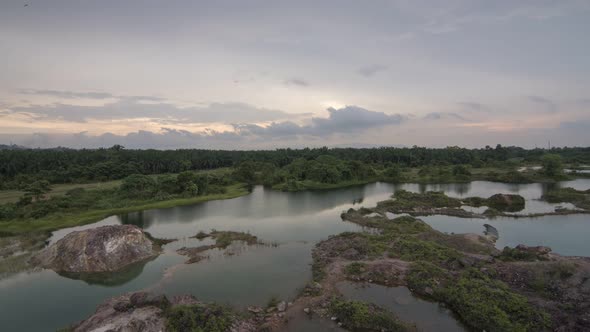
[(566, 235), (296, 221), (406, 306)]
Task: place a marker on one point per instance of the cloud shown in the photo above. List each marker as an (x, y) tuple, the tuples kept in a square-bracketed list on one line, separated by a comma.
[(349, 121), (545, 104), (371, 70), (64, 94), (132, 108), (296, 82)]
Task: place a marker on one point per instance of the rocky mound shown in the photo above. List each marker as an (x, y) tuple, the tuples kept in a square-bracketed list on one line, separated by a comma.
[(101, 249), (137, 312), (506, 202)]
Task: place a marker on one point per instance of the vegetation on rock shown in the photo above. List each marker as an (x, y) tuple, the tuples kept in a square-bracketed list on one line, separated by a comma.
[(487, 289)]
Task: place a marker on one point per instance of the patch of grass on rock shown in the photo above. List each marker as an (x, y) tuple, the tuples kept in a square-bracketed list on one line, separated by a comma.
[(361, 316)]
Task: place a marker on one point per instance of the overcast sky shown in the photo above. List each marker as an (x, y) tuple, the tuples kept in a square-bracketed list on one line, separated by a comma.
[(269, 74)]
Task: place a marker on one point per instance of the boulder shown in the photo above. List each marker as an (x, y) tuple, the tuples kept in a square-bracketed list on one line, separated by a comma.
[(102, 249)]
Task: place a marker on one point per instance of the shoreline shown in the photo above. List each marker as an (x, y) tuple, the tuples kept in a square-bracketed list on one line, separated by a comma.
[(56, 222)]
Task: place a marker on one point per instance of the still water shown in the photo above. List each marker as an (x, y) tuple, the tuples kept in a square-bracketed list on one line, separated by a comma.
[(254, 274), (406, 306)]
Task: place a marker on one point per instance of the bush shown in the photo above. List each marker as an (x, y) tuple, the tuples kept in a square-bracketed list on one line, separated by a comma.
[(199, 317), (552, 165), (361, 316), (355, 268), (412, 249), (138, 185), (461, 170), (490, 305)]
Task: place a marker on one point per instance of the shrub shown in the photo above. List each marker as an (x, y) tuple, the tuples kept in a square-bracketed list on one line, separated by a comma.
[(199, 317), (361, 316)]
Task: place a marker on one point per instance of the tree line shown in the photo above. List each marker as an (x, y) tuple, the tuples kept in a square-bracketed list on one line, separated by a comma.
[(19, 168)]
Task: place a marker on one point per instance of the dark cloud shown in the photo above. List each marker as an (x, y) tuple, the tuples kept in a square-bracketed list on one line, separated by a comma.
[(354, 118), (470, 106), (296, 82), (545, 104), (371, 70), (444, 115), (580, 125), (131, 108), (346, 120), (68, 94), (87, 95)]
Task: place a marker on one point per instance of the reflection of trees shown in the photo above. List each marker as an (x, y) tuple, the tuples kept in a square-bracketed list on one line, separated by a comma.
[(422, 188), (261, 203), (462, 188), (138, 219), (15, 264), (545, 187), (109, 279)]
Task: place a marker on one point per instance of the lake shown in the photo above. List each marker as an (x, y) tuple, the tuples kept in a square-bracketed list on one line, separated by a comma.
[(254, 274)]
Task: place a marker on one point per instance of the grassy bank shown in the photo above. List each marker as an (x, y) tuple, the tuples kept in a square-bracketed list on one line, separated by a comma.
[(313, 185), (77, 218)]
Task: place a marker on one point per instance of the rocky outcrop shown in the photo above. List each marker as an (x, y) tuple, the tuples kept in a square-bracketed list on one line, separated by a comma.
[(101, 249), (137, 312), (148, 312)]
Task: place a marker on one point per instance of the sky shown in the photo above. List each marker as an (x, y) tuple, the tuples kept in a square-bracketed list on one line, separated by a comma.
[(272, 74)]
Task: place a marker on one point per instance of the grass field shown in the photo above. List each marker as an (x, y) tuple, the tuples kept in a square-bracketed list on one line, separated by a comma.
[(11, 196), (8, 196)]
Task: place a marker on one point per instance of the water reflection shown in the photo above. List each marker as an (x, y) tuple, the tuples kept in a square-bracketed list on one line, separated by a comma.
[(109, 279)]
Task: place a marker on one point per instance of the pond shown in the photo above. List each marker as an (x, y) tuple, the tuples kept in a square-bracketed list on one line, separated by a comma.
[(254, 274), (428, 316)]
